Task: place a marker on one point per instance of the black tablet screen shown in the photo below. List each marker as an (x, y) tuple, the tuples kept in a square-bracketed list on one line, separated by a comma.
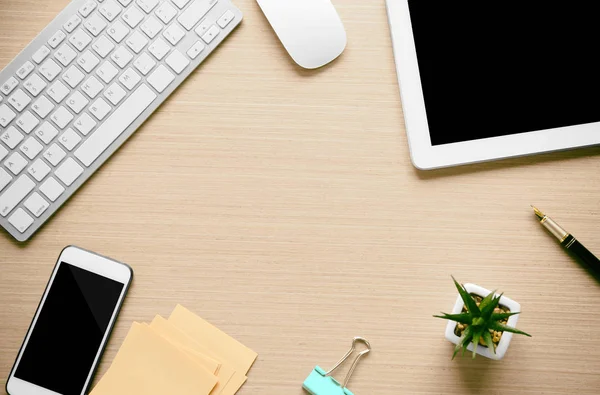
[(492, 69)]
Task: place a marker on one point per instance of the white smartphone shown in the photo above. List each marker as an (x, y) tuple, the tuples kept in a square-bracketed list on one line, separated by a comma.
[(71, 326)]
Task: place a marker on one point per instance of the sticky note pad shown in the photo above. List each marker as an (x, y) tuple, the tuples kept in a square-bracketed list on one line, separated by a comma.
[(167, 330), (163, 328), (240, 356), (237, 379), (234, 384), (149, 364)]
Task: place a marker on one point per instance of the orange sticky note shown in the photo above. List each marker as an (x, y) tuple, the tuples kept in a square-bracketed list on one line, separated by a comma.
[(162, 327), (149, 364), (231, 350), (223, 372)]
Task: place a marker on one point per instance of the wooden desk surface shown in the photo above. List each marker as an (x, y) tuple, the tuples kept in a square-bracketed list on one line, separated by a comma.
[(281, 205)]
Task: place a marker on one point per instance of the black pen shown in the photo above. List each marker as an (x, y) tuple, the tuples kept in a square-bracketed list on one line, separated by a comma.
[(568, 242)]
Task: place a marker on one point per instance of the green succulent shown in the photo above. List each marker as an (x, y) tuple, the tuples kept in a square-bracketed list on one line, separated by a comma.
[(479, 320)]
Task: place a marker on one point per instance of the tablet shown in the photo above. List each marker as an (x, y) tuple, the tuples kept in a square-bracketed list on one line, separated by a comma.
[(488, 80)]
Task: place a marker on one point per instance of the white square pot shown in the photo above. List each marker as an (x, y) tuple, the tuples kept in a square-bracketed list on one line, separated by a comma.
[(506, 336)]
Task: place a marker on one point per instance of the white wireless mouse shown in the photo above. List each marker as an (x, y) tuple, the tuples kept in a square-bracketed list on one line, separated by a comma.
[(310, 30)]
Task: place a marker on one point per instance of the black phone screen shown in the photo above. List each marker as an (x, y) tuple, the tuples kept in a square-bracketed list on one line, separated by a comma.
[(69, 330)]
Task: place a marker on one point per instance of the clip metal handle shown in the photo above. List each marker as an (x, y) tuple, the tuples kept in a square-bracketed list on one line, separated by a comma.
[(345, 357)]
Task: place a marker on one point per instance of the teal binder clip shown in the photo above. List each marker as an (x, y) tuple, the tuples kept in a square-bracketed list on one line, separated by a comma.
[(319, 382)]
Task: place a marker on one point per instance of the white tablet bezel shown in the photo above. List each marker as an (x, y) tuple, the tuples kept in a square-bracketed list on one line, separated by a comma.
[(426, 156), (91, 262)]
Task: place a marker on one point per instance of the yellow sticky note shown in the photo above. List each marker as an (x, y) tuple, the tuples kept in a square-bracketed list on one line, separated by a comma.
[(238, 355), (149, 364), (223, 372), (162, 327), (234, 384)]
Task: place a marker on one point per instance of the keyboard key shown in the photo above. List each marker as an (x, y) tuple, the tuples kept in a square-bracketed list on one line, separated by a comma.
[(11, 137), (43, 106), (103, 46), (203, 27), (40, 54), (196, 11), (177, 61), (15, 193), (151, 27), (88, 61), (115, 94), (144, 63), (69, 139), (65, 55), (31, 148), (36, 204), (95, 24), (99, 109), (39, 170), (49, 69), (19, 100), (77, 102), (225, 19), (129, 78), (180, 3), (159, 48), (85, 124), (54, 154), (174, 33), (136, 41), (3, 152), (46, 132), (69, 171), (161, 78), (80, 39), (58, 91), (87, 8), (147, 5), (125, 3), (118, 31), (115, 125), (195, 49), (133, 16), (61, 117), (5, 178), (35, 85), (73, 76), (57, 38), (211, 34), (9, 85), (72, 23), (15, 163), (6, 115), (20, 220), (166, 12), (92, 87), (107, 72), (27, 122), (110, 9), (121, 56), (52, 189)]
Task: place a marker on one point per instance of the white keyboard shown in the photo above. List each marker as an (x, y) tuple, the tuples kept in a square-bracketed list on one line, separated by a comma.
[(83, 86)]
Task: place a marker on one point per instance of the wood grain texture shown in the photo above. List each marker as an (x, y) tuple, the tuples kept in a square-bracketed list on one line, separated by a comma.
[(281, 205)]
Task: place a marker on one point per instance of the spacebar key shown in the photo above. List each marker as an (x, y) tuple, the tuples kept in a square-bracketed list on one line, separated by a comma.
[(115, 125)]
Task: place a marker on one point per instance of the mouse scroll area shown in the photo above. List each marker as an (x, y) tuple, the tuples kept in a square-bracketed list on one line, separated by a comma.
[(311, 31)]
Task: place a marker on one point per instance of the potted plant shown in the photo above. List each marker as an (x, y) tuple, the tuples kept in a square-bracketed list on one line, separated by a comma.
[(482, 321)]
